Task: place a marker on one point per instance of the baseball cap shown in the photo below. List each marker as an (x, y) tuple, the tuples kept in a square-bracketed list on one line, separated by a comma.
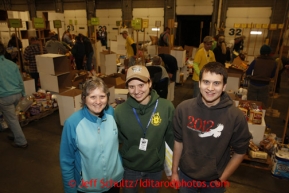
[(124, 32), (208, 39), (139, 72), (156, 60)]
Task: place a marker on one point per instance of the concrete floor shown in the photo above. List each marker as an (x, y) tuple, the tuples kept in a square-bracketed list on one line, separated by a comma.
[(36, 169)]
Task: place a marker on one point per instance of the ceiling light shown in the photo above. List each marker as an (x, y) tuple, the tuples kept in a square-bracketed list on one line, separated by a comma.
[(256, 32)]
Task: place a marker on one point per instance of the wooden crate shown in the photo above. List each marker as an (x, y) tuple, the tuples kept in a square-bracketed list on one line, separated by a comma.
[(258, 163)]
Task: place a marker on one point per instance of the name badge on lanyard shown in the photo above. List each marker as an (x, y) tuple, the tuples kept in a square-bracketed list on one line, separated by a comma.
[(143, 144)]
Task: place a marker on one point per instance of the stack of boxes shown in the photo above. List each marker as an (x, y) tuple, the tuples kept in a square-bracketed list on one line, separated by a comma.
[(55, 76)]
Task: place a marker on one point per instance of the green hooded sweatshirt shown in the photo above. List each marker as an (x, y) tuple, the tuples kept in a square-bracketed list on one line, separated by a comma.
[(159, 130)]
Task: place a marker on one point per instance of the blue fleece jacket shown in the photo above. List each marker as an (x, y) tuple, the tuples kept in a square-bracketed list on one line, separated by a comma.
[(89, 157)]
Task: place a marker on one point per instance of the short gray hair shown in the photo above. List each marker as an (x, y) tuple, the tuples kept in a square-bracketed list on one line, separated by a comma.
[(91, 85)]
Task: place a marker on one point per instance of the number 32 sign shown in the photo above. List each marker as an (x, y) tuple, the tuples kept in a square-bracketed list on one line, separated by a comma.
[(233, 31)]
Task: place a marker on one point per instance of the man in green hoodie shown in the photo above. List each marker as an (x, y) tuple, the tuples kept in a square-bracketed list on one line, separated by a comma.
[(145, 124)]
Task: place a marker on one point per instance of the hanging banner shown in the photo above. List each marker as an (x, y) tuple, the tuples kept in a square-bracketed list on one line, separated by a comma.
[(38, 23), (158, 23), (280, 26), (258, 26), (132, 23), (94, 21), (138, 24), (145, 23), (14, 23), (57, 24), (265, 26), (244, 25), (237, 25), (118, 23), (273, 26)]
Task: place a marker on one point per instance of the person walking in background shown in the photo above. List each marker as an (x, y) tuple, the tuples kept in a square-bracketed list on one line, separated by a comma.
[(89, 144), (144, 122), (12, 47), (78, 52), (29, 55), (260, 72), (205, 129), (164, 39), (220, 51), (54, 46), (161, 81), (88, 51), (236, 46), (202, 57), (130, 47), (11, 91), (67, 39), (171, 65), (103, 36)]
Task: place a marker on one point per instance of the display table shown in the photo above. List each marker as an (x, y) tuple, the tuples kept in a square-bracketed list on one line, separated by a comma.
[(37, 117)]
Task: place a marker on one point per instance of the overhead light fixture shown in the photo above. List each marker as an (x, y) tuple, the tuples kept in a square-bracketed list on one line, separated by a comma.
[(155, 29), (256, 32)]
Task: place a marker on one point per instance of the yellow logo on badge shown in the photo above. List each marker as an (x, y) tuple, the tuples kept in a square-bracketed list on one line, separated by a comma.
[(156, 120)]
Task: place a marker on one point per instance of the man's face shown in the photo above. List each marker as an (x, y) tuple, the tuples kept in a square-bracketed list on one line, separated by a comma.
[(124, 36), (211, 88), (207, 45)]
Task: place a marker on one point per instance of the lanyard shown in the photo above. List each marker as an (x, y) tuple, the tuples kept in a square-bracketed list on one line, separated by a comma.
[(138, 120)]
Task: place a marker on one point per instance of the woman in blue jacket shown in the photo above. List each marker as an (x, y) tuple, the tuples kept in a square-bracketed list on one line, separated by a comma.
[(89, 157)]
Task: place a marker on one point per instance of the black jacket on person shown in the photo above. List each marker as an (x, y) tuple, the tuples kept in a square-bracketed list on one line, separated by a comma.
[(220, 57), (87, 45), (171, 64)]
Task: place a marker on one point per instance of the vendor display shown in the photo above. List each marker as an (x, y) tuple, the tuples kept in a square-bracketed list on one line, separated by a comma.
[(36, 106), (252, 111)]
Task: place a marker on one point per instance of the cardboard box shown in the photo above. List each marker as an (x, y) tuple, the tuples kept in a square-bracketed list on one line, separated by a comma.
[(117, 80), (240, 64), (233, 82), (58, 84), (108, 69), (257, 131), (180, 55), (152, 50), (108, 62), (121, 93), (29, 86), (78, 76), (53, 64), (164, 50), (237, 72), (190, 50), (68, 103)]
